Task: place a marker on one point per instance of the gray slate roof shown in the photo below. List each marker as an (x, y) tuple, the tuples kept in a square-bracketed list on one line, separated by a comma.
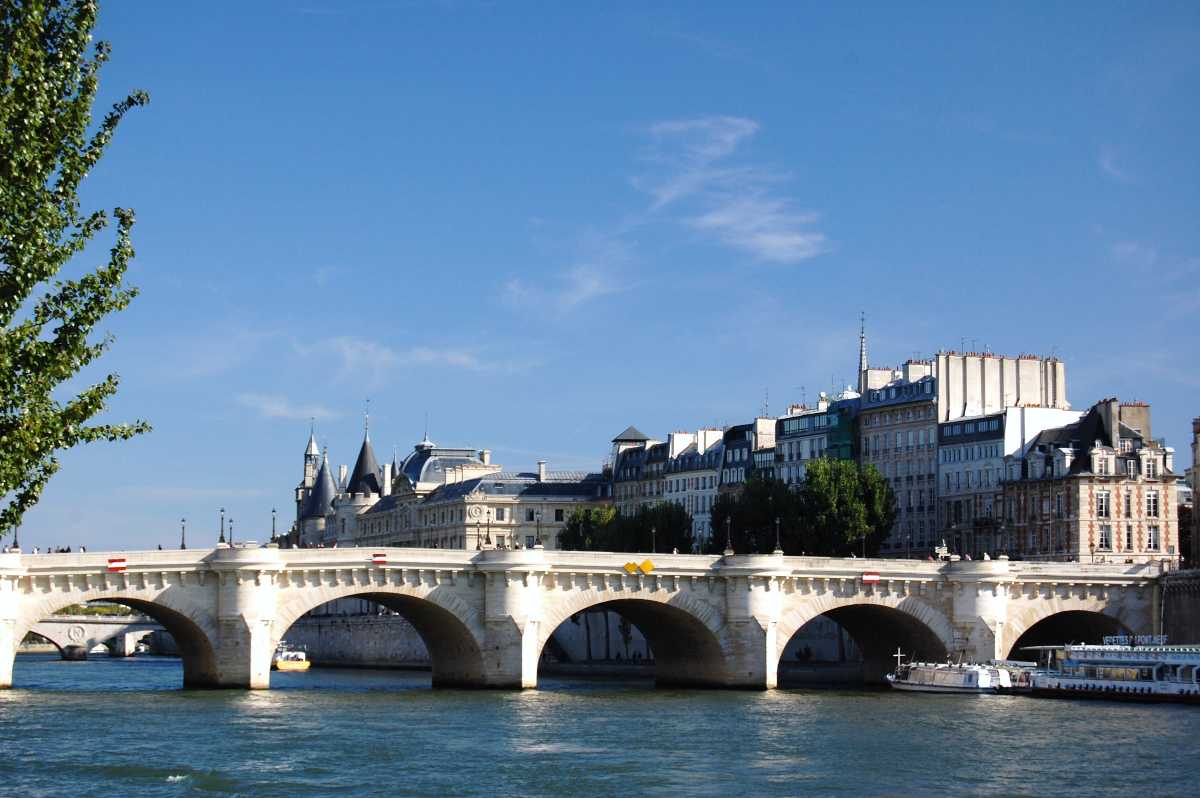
[(320, 500)]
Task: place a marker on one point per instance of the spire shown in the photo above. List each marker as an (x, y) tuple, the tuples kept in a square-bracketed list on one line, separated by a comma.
[(320, 500), (365, 478), (311, 450), (367, 421), (862, 352)]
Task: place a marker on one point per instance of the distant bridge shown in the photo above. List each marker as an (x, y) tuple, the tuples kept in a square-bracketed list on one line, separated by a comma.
[(486, 615), (76, 635)]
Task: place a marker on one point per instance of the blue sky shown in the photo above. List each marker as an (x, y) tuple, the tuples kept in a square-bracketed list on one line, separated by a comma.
[(539, 223)]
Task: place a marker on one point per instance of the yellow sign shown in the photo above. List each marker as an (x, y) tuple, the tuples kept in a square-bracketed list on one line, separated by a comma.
[(631, 568), (647, 566)]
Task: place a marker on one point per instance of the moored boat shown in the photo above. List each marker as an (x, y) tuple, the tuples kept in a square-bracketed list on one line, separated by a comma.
[(929, 677), (290, 659), (1121, 672)]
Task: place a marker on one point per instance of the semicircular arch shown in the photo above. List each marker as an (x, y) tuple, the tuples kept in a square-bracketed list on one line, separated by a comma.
[(795, 617), (1025, 618)]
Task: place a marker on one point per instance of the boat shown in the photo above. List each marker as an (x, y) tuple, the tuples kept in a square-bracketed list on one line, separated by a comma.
[(1121, 669), (933, 677), (290, 659)]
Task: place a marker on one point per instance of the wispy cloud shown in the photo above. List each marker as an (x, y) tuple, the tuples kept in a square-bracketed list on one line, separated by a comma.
[(738, 204), (269, 406), (1107, 161), (596, 265), (372, 363)]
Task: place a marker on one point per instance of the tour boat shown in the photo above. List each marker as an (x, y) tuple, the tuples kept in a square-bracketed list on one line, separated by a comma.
[(1123, 672), (290, 659), (930, 677)]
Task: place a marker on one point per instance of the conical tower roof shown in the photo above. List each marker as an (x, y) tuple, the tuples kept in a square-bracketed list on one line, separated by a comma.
[(320, 500), (312, 449), (365, 478)]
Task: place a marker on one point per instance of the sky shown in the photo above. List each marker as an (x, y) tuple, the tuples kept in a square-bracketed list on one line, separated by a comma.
[(529, 225)]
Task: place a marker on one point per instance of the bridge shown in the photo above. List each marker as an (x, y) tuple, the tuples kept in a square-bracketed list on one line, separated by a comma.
[(75, 635), (485, 616)]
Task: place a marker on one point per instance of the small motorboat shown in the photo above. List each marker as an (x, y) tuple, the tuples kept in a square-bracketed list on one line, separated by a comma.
[(290, 659)]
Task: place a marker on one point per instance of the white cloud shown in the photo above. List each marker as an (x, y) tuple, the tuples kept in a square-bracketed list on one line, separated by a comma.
[(280, 407), (371, 363), (595, 263), (739, 205), (1107, 161)]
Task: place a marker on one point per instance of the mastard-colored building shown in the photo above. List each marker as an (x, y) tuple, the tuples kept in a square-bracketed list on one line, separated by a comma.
[(1100, 489)]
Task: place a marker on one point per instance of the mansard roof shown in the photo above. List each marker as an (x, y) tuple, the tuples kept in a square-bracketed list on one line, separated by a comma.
[(365, 478), (320, 500)]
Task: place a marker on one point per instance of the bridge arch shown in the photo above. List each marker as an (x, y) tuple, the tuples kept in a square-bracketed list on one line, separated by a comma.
[(193, 629), (1061, 620), (878, 624), (685, 634), (451, 629)]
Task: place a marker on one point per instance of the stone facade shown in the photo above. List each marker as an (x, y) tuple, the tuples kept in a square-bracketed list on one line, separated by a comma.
[(1097, 489)]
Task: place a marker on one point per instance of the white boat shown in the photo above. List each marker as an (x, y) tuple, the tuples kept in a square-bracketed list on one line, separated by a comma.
[(1122, 672), (930, 677), (290, 659)]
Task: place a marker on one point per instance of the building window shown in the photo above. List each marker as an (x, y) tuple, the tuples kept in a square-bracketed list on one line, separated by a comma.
[(1152, 538), (1102, 504), (499, 513), (1128, 504), (559, 514), (1129, 537), (1105, 537), (529, 541), (1152, 504), (1151, 466)]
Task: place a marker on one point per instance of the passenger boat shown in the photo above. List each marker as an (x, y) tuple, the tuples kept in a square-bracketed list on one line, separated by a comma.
[(928, 677), (290, 659), (1122, 672)]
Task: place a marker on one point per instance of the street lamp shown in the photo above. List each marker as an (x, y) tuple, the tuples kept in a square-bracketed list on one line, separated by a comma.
[(222, 538), (728, 537), (230, 531), (182, 533), (653, 533), (274, 537), (538, 517), (16, 538), (778, 539)]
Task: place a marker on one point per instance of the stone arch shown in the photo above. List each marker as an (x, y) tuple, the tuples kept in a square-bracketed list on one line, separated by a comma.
[(879, 624), (194, 630), (1081, 620), (685, 634), (452, 631)]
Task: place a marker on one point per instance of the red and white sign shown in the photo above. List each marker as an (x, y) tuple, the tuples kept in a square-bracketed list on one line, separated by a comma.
[(378, 558), (870, 577), (116, 565)]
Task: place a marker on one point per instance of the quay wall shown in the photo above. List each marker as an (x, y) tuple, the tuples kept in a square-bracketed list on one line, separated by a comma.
[(1181, 606)]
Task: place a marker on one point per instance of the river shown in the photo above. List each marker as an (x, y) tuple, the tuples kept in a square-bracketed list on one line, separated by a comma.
[(111, 727)]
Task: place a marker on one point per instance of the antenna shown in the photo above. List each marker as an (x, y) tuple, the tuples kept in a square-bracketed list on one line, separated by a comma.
[(766, 403), (367, 417)]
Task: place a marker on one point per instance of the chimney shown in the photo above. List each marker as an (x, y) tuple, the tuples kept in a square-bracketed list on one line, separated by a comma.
[(1110, 415), (343, 472), (386, 487), (541, 470), (485, 456)]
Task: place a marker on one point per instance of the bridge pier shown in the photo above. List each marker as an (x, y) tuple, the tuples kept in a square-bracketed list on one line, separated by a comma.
[(246, 607), (753, 604), (512, 617)]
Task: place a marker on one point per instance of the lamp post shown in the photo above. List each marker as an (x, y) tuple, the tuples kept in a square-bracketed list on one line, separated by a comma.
[(653, 534), (538, 517), (231, 531), (182, 533), (1092, 547), (274, 537), (778, 539), (728, 537), (222, 538), (16, 538), (908, 546)]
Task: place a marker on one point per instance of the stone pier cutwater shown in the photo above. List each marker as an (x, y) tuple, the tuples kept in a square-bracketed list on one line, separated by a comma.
[(485, 616)]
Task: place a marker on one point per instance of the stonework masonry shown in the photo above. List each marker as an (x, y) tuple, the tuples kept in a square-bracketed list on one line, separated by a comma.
[(486, 616)]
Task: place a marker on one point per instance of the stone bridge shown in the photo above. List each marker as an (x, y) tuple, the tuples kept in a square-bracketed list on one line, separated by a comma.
[(486, 615), (75, 635)]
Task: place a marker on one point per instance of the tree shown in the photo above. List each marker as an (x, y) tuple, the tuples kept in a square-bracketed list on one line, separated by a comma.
[(48, 84), (661, 527), (840, 508)]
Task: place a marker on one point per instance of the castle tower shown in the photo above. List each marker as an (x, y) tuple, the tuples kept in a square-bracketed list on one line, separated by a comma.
[(312, 463)]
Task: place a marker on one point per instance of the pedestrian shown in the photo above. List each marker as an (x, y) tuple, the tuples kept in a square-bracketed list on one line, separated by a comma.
[(83, 549), (160, 547)]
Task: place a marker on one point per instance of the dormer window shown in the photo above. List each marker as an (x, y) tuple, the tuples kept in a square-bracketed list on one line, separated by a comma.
[(1152, 466)]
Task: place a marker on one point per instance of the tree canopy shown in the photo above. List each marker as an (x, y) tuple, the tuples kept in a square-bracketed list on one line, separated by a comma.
[(661, 527), (48, 84), (840, 507)]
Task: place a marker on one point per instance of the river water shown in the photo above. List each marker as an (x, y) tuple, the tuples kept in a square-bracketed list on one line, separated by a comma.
[(124, 727)]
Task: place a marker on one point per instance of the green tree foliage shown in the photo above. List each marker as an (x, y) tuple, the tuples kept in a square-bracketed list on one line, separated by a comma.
[(662, 527), (840, 507), (48, 83)]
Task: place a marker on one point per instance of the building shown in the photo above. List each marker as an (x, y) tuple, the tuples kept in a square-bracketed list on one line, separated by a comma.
[(970, 467), (1195, 470), (1098, 489), (692, 477), (975, 384), (748, 448), (806, 433), (897, 431)]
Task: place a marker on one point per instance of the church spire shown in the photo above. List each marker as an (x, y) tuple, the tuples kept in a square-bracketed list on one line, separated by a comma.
[(862, 352)]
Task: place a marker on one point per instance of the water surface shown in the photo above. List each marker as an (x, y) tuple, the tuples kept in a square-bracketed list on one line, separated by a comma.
[(112, 727)]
